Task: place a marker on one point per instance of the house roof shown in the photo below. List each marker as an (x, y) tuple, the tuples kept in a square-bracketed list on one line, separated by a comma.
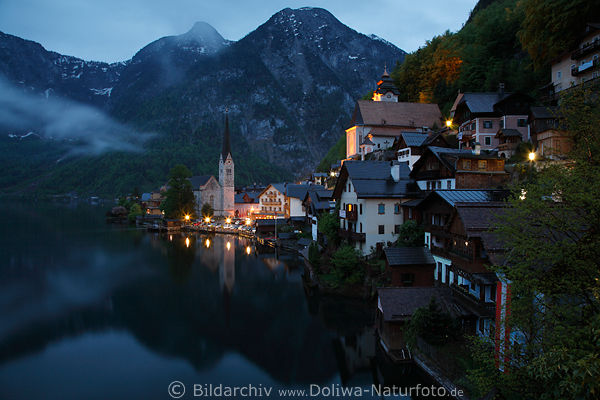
[(414, 139), (455, 196), (387, 113), (479, 102), (320, 174), (399, 304), (408, 256), (373, 179), (449, 157), (299, 191), (509, 132), (479, 217), (367, 141), (386, 84), (199, 180), (543, 112)]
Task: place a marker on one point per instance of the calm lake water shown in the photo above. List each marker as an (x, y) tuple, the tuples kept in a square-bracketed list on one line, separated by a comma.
[(94, 311)]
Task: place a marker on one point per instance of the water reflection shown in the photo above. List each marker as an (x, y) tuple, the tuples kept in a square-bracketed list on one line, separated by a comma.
[(209, 307)]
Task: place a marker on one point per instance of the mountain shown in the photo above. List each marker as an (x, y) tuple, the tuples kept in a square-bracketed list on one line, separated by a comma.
[(289, 87)]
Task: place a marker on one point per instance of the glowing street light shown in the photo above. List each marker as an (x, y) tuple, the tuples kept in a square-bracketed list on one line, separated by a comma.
[(187, 217), (448, 123), (332, 174), (207, 219), (531, 156), (248, 221), (228, 220)]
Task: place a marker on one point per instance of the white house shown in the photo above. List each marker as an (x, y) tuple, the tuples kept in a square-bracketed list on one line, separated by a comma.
[(272, 201), (370, 195)]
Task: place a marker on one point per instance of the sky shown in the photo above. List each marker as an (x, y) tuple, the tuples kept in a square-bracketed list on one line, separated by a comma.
[(114, 30)]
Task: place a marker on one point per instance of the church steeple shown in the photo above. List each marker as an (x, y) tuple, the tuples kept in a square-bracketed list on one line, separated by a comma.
[(226, 151), (386, 89)]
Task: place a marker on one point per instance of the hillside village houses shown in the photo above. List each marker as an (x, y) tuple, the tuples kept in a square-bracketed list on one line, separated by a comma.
[(376, 124)]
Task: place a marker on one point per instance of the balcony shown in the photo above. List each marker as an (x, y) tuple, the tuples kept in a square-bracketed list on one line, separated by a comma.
[(271, 203), (352, 236), (585, 67), (349, 215), (582, 51), (472, 303)]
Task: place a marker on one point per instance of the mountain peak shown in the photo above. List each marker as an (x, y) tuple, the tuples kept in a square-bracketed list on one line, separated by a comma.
[(203, 33)]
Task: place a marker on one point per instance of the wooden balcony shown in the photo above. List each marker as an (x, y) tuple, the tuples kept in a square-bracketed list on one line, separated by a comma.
[(352, 236), (582, 69), (472, 303), (582, 51)]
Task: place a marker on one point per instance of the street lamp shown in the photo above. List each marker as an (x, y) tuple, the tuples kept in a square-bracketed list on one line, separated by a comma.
[(207, 220), (228, 220), (531, 156), (448, 123)]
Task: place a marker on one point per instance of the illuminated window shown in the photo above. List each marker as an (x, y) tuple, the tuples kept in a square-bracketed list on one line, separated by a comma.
[(482, 164)]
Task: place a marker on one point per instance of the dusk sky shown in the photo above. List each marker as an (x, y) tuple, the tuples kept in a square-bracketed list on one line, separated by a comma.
[(114, 30)]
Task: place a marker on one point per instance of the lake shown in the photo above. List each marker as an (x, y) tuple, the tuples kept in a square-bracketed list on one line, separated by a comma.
[(97, 311)]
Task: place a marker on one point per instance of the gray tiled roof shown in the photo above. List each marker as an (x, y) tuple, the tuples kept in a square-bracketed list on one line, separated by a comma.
[(408, 256), (468, 195), (372, 179), (391, 113), (399, 304), (199, 180), (509, 132), (414, 139), (483, 102), (299, 191)]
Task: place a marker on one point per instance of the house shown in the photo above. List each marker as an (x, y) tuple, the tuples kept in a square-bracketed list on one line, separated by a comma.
[(445, 168), (409, 266), (395, 308), (580, 65), (294, 198), (376, 124), (550, 140), (410, 146), (315, 203), (272, 201), (457, 224), (246, 204), (480, 115), (370, 195), (508, 140), (151, 204), (319, 178)]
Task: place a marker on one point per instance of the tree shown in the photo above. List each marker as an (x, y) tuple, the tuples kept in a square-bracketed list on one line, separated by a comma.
[(432, 324), (134, 211), (411, 235), (328, 225), (207, 211), (552, 229), (179, 198)]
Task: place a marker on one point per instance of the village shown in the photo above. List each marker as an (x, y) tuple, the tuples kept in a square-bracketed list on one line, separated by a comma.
[(408, 171)]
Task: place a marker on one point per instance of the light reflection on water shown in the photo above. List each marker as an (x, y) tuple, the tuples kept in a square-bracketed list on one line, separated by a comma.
[(98, 311)]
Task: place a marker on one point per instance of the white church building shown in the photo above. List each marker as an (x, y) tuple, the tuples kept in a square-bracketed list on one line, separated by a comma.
[(219, 194)]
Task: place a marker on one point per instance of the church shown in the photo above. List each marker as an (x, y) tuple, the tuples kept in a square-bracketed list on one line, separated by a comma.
[(219, 194)]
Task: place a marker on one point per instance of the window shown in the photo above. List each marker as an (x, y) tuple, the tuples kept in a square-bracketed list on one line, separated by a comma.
[(521, 122), (381, 208), (449, 185), (348, 187), (466, 164), (488, 141), (473, 126), (381, 229), (439, 184), (397, 229), (407, 279), (487, 124), (361, 227), (360, 208), (482, 164), (397, 208), (501, 124), (228, 171), (559, 75)]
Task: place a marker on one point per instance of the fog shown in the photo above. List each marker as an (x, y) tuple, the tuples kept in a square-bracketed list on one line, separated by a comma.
[(87, 130)]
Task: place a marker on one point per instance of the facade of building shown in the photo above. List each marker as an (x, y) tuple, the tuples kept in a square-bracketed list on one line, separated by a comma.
[(219, 194), (272, 201), (409, 266), (549, 139), (479, 116), (508, 140), (246, 204), (444, 168), (579, 65), (456, 224), (410, 146), (370, 196), (376, 124)]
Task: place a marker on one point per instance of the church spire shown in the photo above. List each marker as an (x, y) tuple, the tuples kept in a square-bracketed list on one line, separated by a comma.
[(226, 144)]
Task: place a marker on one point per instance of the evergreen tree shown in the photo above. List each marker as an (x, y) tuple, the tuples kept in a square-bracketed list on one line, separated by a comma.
[(179, 198)]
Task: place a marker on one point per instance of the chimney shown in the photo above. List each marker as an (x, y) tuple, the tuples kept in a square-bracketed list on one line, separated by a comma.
[(395, 171), (501, 88), (477, 149)]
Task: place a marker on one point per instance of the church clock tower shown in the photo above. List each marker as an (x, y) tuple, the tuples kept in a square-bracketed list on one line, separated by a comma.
[(226, 174)]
